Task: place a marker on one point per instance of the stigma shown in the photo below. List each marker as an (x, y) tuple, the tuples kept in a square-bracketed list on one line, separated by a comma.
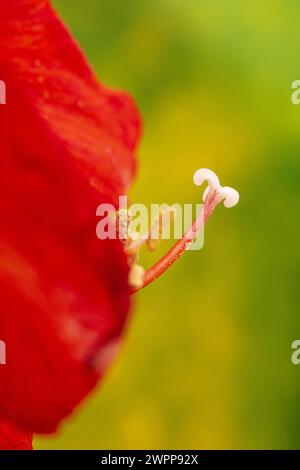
[(228, 195), (213, 195)]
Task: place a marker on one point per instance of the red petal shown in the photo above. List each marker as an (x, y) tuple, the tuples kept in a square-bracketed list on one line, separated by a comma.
[(64, 296), (40, 56), (12, 438)]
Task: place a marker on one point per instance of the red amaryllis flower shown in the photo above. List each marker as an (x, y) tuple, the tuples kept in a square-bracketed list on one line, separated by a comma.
[(67, 145)]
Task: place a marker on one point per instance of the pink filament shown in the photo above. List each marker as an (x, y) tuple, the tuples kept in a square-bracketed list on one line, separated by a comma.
[(211, 202)]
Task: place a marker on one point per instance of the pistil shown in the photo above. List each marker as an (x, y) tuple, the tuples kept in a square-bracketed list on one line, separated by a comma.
[(212, 197)]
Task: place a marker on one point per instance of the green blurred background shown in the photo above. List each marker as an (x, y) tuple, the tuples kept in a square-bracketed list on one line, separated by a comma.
[(206, 361)]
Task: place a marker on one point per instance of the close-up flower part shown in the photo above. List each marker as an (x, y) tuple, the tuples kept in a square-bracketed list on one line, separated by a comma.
[(103, 343), (67, 143), (213, 195)]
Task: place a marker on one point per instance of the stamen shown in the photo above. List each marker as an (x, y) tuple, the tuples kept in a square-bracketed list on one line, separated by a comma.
[(136, 276), (153, 237), (165, 216), (124, 218), (213, 195)]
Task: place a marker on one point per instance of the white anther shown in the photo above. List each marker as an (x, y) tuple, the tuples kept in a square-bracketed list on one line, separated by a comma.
[(136, 276), (229, 195)]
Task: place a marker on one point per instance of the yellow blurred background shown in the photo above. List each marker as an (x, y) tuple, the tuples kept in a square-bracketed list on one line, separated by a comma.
[(206, 363)]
